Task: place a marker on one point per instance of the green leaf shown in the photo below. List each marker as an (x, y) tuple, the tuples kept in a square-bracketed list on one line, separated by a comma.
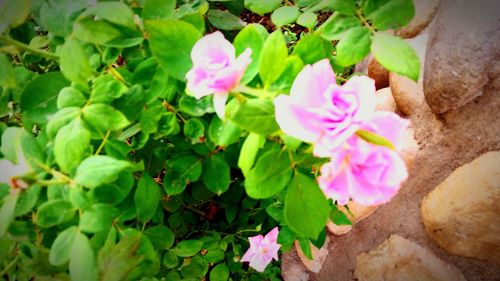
[(194, 107), (60, 250), (158, 9), (39, 98), (7, 212), (336, 25), (225, 20), (106, 89), (116, 192), (71, 145), (58, 16), (216, 174), (7, 74), (395, 55), (82, 262), (188, 248), (270, 175), (286, 238), (74, 62), (256, 116), (285, 15), (194, 130), (339, 218), (99, 169), (305, 246), (13, 13), (70, 97), (180, 172), (308, 19), (306, 208), (116, 262), (161, 236), (223, 133), (293, 65), (170, 260), (11, 143), (374, 138), (147, 198), (195, 269), (272, 58), (61, 119), (354, 46), (262, 7), (95, 32), (103, 117), (27, 200), (54, 212), (252, 36), (346, 7), (219, 273), (388, 14), (171, 42), (249, 151), (312, 48), (98, 218), (114, 12)]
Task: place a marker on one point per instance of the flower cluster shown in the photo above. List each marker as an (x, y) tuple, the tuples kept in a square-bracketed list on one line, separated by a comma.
[(321, 112)]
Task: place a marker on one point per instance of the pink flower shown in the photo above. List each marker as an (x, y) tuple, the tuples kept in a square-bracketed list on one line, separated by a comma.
[(320, 111), (215, 69), (262, 250), (366, 173)]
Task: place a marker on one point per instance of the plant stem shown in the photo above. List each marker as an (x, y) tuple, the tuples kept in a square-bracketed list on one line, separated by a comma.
[(10, 41), (11, 264), (365, 22), (254, 92), (104, 140)]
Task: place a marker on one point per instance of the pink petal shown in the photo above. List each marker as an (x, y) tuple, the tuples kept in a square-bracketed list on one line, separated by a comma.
[(364, 88), (273, 235), (389, 125), (294, 120), (220, 105), (335, 180), (311, 83), (212, 50), (259, 262), (198, 83)]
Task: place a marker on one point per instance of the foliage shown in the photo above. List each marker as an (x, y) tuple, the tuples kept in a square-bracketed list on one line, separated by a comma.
[(130, 177)]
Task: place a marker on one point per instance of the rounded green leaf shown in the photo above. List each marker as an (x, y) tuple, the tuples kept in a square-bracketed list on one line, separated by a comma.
[(194, 129), (249, 151), (219, 273), (308, 19), (223, 133), (147, 198), (262, 7), (170, 259), (334, 28), (216, 174), (99, 169), (74, 62), (272, 58), (306, 208), (256, 116), (70, 97), (225, 20), (188, 248), (312, 48), (71, 145), (98, 218), (161, 236), (103, 117), (180, 172), (171, 42), (82, 262), (354, 46), (285, 15), (388, 14), (60, 250), (252, 36), (394, 54), (270, 175), (54, 212)]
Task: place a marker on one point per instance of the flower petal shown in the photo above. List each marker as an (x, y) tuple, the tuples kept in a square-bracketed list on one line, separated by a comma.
[(389, 125), (212, 51), (364, 88), (220, 105), (310, 84)]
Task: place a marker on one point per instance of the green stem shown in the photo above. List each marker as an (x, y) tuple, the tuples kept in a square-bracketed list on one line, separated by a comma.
[(104, 140), (8, 267), (365, 22), (10, 41), (253, 92)]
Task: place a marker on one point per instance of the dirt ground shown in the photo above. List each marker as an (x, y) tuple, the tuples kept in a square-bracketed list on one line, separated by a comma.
[(445, 143)]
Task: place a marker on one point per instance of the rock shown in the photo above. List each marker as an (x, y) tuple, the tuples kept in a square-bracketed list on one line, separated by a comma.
[(425, 10), (319, 256), (461, 213), (292, 268), (356, 214), (408, 94), (399, 259), (378, 73), (463, 50), (385, 101), (409, 148)]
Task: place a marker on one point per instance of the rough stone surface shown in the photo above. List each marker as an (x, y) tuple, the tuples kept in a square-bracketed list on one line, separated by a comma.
[(385, 100), (424, 13), (399, 259), (378, 73), (463, 54), (408, 94), (462, 213), (292, 268), (319, 256)]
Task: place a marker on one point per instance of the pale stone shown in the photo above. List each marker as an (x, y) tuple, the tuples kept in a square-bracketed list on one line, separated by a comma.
[(385, 101), (356, 213), (462, 213), (319, 256), (399, 259), (462, 58), (408, 94), (425, 10)]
